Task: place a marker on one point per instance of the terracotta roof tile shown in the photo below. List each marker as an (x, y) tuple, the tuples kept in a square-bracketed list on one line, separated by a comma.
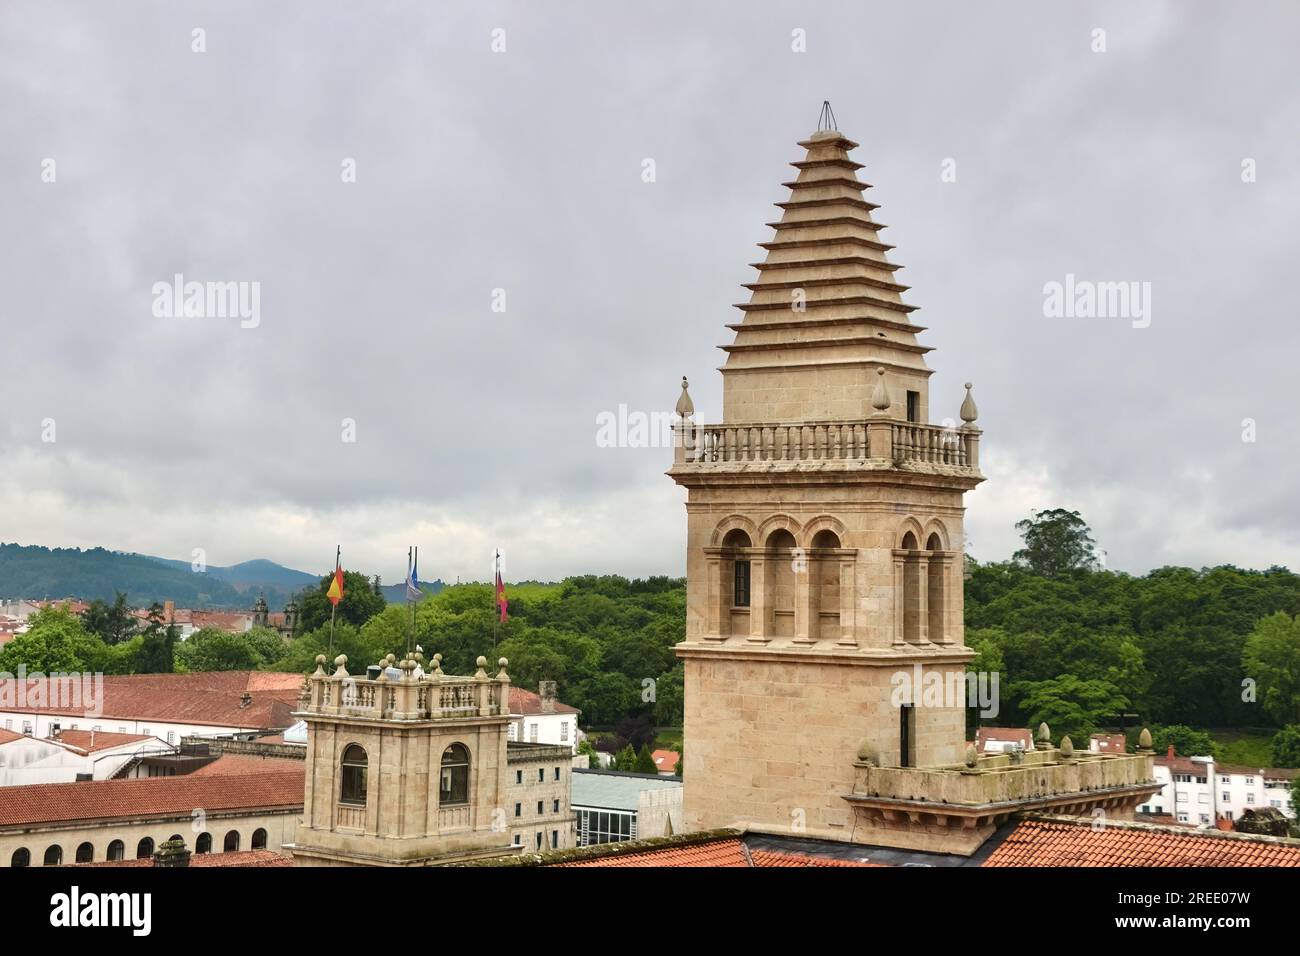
[(116, 799), (207, 697), (714, 853), (527, 703), (245, 763), (1076, 843), (82, 739)]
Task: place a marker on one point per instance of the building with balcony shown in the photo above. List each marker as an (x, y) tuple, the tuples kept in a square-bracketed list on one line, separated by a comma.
[(416, 769), (825, 560)]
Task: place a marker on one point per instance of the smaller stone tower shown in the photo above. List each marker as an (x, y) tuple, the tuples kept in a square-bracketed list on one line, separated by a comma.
[(406, 769)]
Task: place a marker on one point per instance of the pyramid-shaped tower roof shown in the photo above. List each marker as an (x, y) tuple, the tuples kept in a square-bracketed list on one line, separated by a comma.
[(825, 310)]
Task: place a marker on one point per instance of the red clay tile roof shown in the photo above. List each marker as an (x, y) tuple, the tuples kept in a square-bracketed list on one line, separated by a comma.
[(158, 796), (666, 760), (8, 736), (245, 763), (82, 739), (727, 852), (237, 858), (205, 697), (1075, 843), (526, 702)]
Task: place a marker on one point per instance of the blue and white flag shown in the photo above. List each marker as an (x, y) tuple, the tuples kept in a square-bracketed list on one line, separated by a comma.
[(412, 584)]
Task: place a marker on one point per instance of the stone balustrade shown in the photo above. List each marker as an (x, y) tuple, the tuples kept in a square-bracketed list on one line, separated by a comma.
[(881, 439), (410, 696)]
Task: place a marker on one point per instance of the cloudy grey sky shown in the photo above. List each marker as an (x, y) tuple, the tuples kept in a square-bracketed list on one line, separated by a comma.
[(522, 170)]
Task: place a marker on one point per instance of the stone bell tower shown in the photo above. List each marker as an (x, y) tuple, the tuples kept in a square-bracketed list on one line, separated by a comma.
[(824, 512)]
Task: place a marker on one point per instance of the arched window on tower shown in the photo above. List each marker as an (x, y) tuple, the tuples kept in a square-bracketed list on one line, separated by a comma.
[(824, 576), (735, 597), (779, 584), (352, 776), (454, 789), (936, 598), (911, 597)]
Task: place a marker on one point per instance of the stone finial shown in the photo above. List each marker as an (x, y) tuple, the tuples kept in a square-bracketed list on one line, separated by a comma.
[(501, 674), (867, 753), (1144, 739), (1067, 748), (341, 666), (1043, 739), (685, 407), (968, 410), (391, 659), (481, 664), (880, 400), (320, 665), (437, 666), (408, 669), (971, 756)]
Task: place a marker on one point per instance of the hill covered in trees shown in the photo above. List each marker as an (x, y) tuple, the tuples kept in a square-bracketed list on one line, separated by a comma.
[(31, 571)]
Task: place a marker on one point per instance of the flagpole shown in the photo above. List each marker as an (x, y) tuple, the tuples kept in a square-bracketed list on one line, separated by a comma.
[(338, 553), (409, 648), (496, 577)]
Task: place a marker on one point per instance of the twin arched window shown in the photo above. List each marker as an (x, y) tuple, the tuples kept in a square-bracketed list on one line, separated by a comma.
[(352, 789), (454, 790)]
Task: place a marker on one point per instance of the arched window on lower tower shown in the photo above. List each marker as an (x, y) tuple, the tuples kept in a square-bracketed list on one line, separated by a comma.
[(736, 576), (779, 584), (911, 596), (936, 596), (824, 576)]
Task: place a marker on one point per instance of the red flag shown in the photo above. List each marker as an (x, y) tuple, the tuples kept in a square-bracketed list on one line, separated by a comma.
[(335, 592), (501, 591)]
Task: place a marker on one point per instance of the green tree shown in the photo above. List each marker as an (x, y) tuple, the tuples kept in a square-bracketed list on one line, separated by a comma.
[(1185, 740), (114, 623), (645, 761), (1272, 657), (361, 601), (1286, 746), (593, 760), (157, 651), (210, 649), (625, 760), (1069, 705), (670, 698), (1056, 542), (55, 640), (300, 654)]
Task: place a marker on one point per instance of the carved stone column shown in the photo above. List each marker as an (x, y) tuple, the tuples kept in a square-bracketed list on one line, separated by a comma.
[(759, 612)]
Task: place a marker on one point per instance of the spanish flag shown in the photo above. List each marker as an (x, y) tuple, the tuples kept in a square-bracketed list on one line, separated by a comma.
[(335, 592)]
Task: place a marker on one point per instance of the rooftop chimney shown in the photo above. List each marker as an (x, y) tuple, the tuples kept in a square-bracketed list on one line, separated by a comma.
[(245, 700), (546, 690), (169, 611), (1171, 751)]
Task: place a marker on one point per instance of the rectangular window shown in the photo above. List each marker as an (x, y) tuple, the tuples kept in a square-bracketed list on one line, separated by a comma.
[(1250, 798), (564, 731), (1227, 797), (541, 774), (171, 736), (539, 839), (518, 840), (27, 727), (741, 596), (555, 839), (1225, 780), (557, 773), (1205, 818), (519, 809), (532, 733), (1250, 781), (913, 406), (555, 808), (519, 776), (905, 718), (540, 811)]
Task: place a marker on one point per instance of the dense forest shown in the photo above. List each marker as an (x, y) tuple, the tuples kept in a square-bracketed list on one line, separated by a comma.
[(1073, 644)]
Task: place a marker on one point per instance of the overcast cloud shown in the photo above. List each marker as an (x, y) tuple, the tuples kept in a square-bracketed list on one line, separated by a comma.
[(522, 171)]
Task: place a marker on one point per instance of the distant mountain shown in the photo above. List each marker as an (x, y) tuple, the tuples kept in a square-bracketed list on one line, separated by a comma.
[(35, 572)]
